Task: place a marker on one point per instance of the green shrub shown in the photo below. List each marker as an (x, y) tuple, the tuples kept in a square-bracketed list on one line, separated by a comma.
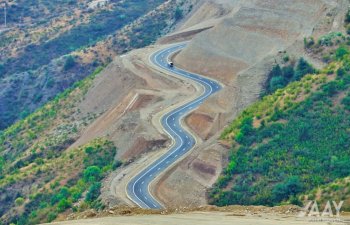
[(289, 188), (341, 72), (347, 17), (346, 102), (94, 192), (70, 63), (277, 83), (19, 201), (178, 13), (51, 216), (341, 52), (63, 204), (302, 69), (92, 174), (280, 77), (309, 42)]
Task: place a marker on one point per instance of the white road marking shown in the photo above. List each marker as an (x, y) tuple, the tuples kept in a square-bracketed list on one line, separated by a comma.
[(156, 59)]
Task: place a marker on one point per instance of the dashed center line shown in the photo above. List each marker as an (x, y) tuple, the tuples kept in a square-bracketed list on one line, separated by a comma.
[(161, 59)]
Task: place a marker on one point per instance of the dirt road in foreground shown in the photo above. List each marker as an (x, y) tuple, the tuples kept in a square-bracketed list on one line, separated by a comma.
[(212, 218)]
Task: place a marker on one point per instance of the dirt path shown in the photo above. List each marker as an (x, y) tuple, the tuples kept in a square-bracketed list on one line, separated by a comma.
[(203, 218)]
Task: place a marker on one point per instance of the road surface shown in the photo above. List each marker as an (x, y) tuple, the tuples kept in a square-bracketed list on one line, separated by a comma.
[(138, 187)]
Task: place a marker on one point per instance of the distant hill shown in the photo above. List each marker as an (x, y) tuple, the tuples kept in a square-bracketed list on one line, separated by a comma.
[(52, 44)]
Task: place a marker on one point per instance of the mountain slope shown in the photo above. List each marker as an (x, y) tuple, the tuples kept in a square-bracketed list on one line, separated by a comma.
[(239, 49), (291, 141), (43, 161), (41, 57)]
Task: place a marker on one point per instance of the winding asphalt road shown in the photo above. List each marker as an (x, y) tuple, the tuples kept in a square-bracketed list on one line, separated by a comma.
[(138, 188)]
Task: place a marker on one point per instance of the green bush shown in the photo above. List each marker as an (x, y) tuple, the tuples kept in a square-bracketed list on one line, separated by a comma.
[(94, 192), (302, 69), (289, 188), (347, 17), (51, 216), (280, 77), (19, 201), (178, 13), (63, 204), (346, 102), (2, 70), (309, 42), (341, 52), (70, 63), (92, 174)]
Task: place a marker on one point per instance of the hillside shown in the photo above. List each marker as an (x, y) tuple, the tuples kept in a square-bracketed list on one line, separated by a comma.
[(239, 49), (36, 169), (294, 140), (42, 54), (42, 171), (81, 106)]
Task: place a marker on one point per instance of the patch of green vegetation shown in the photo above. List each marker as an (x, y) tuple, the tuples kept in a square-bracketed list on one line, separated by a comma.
[(290, 142), (25, 133), (99, 26), (48, 55), (281, 77), (97, 158), (29, 145), (347, 21), (69, 63), (328, 40), (335, 191), (178, 13)]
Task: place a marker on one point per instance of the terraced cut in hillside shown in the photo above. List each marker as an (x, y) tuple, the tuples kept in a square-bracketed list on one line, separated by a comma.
[(293, 141), (249, 31)]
